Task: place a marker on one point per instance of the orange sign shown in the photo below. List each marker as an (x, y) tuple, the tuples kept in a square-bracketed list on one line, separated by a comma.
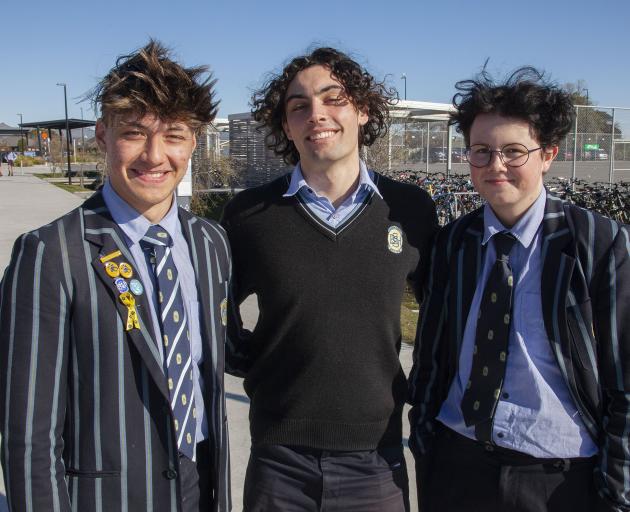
[(44, 135)]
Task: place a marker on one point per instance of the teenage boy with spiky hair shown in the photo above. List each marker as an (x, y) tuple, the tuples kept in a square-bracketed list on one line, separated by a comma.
[(520, 388), (327, 249), (111, 324)]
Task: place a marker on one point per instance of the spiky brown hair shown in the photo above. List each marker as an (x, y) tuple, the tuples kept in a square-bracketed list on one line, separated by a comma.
[(148, 81)]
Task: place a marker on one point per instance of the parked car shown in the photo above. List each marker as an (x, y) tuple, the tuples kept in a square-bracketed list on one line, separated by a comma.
[(596, 154), (438, 155), (457, 156)]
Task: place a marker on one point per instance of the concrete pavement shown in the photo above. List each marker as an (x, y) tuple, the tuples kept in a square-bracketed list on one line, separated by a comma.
[(26, 202)]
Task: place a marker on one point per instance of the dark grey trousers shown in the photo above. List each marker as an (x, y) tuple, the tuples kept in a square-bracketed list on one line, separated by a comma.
[(292, 479), (463, 475), (195, 480)]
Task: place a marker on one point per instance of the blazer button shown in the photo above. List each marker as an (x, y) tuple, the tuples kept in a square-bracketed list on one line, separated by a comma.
[(170, 474)]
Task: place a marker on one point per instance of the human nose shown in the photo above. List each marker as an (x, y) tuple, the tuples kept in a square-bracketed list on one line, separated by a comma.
[(496, 160), (153, 152), (318, 112)]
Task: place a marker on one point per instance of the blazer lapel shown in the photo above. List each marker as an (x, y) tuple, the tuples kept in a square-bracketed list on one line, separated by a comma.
[(557, 268), (466, 265), (102, 231), (201, 255)]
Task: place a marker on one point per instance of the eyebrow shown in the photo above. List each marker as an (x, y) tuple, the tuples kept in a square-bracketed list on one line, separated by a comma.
[(323, 90), (136, 124), (131, 124)]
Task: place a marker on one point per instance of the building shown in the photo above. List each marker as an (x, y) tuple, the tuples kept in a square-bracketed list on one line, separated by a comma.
[(256, 163)]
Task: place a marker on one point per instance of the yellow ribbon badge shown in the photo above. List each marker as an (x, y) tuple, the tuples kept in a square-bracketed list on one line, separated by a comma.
[(132, 314)]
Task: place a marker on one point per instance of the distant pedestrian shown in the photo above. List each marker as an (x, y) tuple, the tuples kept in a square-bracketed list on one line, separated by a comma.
[(10, 158)]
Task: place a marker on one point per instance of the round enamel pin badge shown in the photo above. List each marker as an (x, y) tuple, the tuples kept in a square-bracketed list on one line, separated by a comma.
[(125, 270), (112, 269), (136, 287)]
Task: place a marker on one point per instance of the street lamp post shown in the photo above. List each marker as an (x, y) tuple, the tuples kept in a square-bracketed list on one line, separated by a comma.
[(22, 139), (82, 137), (21, 133), (65, 99), (404, 77)]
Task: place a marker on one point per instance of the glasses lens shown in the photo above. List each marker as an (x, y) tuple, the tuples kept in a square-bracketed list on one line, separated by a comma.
[(478, 155), (515, 155)]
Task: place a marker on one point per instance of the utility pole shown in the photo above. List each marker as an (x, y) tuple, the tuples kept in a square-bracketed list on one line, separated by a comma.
[(65, 99), (404, 77), (82, 137)]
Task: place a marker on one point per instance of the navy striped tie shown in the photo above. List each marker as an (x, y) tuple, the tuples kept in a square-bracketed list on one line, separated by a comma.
[(175, 336)]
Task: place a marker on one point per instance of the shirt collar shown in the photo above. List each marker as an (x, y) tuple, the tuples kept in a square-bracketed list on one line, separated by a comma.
[(133, 223), (526, 227), (298, 181)]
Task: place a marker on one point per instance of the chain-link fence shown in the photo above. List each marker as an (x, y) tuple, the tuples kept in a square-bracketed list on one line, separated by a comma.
[(418, 146), (597, 149)]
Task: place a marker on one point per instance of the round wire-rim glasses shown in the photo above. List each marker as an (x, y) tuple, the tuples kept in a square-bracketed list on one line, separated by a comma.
[(512, 155)]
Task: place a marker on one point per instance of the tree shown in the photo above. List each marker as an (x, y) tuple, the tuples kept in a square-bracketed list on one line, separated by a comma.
[(592, 123)]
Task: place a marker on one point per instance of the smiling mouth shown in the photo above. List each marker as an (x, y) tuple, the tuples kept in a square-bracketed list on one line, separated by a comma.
[(150, 175), (321, 135)]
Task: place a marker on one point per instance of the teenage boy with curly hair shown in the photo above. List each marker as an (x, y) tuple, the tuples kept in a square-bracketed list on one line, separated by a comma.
[(327, 249), (520, 389)]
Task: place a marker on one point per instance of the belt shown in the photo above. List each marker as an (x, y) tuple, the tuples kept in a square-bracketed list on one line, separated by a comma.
[(508, 457)]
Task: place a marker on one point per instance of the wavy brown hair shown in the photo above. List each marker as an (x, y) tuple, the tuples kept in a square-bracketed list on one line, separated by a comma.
[(525, 95), (148, 81), (367, 94)]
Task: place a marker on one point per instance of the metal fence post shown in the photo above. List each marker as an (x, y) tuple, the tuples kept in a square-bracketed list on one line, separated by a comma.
[(575, 145), (389, 150), (449, 142), (427, 155), (611, 159)]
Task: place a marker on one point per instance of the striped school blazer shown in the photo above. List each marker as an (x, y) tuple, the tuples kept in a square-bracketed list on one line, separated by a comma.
[(84, 406), (585, 288)]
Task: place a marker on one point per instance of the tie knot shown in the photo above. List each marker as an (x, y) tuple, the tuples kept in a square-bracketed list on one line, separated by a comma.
[(503, 243), (156, 235)]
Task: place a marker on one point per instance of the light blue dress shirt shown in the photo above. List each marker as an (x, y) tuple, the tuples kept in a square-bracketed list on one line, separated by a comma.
[(321, 206), (134, 226), (535, 414)]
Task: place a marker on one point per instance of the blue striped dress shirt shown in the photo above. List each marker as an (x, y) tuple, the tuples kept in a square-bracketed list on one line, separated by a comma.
[(134, 226), (321, 206), (535, 414)]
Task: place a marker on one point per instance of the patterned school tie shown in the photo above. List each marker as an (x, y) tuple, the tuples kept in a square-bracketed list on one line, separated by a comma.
[(175, 336), (491, 343)]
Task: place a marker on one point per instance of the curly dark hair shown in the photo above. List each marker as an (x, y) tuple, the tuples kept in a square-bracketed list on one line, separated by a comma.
[(148, 81), (525, 94), (268, 103)]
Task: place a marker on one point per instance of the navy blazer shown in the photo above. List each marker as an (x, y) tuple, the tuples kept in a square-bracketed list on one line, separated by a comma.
[(84, 408), (585, 289)]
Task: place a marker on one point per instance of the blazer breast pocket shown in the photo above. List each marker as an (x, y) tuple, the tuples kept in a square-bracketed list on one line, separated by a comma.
[(580, 323)]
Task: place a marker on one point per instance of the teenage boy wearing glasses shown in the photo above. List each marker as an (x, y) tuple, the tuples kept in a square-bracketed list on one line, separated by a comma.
[(520, 388)]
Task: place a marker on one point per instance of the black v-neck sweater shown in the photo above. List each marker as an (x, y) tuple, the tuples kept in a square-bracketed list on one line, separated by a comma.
[(322, 368)]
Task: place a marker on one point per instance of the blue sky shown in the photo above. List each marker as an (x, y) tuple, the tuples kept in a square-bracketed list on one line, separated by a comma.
[(435, 43)]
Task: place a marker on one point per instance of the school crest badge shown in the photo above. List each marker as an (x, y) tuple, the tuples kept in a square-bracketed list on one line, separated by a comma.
[(394, 239)]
